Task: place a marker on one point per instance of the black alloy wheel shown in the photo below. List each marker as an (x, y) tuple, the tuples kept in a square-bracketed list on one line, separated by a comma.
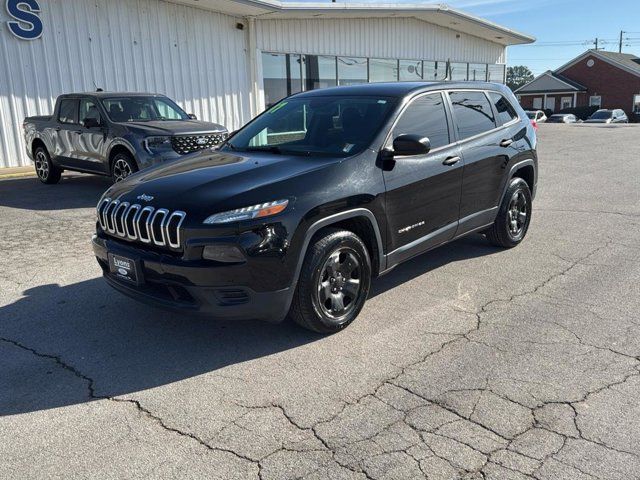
[(334, 282), (514, 216)]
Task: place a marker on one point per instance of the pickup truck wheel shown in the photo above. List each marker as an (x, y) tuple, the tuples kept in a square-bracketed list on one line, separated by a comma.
[(122, 166), (47, 172), (514, 217), (334, 282)]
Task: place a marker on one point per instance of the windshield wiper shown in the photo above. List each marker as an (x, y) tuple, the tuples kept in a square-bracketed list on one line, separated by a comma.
[(270, 149)]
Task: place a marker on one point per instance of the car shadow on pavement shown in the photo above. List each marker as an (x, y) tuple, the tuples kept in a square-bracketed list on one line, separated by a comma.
[(73, 191), (466, 248), (64, 345)]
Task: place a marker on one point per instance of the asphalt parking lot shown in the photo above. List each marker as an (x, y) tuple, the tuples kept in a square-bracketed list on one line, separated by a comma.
[(468, 362)]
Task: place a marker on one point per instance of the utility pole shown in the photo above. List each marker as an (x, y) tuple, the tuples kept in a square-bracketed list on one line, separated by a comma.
[(620, 44), (596, 42)]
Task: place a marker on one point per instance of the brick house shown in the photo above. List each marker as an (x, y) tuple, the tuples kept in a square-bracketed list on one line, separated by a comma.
[(595, 78)]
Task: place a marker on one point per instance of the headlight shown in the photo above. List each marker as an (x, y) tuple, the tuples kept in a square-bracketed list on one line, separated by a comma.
[(247, 213), (152, 144)]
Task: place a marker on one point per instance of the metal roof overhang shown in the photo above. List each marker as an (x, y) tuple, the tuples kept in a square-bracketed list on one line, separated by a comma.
[(438, 14)]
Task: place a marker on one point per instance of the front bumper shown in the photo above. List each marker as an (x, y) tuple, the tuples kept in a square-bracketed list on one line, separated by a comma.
[(190, 286)]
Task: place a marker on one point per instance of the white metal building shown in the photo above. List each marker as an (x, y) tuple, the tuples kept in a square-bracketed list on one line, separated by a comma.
[(225, 60)]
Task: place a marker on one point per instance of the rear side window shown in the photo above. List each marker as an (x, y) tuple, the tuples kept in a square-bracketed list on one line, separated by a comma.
[(68, 110), (504, 109), (472, 113), (425, 116)]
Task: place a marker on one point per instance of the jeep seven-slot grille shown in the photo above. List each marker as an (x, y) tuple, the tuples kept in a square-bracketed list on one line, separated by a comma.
[(184, 144), (143, 224)]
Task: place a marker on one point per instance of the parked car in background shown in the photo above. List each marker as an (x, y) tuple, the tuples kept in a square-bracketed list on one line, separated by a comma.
[(563, 118), (114, 134), (325, 190), (608, 116), (537, 116)]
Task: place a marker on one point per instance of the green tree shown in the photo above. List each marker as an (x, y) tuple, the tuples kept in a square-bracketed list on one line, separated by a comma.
[(518, 76)]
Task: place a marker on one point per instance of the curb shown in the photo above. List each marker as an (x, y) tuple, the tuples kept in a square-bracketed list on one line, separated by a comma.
[(16, 175)]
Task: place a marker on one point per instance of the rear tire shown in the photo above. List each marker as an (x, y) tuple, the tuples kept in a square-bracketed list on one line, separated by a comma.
[(47, 172), (514, 217), (334, 282), (122, 166)]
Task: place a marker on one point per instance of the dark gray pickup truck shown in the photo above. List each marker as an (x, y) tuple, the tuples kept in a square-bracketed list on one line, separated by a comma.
[(114, 134)]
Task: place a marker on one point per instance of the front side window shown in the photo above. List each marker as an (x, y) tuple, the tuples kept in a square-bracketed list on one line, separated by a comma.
[(472, 113), (425, 116), (318, 126), (89, 109), (142, 109), (504, 109), (68, 110)]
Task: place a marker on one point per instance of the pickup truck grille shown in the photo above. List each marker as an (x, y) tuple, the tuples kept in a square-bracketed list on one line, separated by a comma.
[(143, 224), (184, 144)]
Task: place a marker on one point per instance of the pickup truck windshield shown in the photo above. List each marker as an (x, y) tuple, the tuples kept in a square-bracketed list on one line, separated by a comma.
[(142, 109), (331, 126)]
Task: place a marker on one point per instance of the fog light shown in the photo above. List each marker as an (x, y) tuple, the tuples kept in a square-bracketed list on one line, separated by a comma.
[(223, 253)]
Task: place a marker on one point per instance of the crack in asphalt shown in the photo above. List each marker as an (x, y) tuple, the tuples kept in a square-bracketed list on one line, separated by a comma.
[(393, 381)]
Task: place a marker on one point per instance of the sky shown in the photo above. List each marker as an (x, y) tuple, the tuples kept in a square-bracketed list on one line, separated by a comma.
[(563, 28)]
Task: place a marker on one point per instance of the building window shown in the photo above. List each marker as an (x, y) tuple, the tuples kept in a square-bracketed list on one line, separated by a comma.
[(319, 72), (636, 104), (430, 70), (352, 71), (383, 70), (566, 102), (496, 73), (411, 70), (595, 101), (458, 71), (282, 75), (537, 103), (478, 72)]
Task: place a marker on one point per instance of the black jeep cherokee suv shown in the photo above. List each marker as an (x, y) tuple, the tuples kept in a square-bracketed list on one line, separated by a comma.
[(327, 189)]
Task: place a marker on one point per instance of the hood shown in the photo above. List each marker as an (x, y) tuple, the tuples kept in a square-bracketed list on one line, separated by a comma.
[(208, 180), (177, 127)]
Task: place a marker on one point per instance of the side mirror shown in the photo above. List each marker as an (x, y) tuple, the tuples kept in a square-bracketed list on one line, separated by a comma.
[(411, 145), (91, 122), (192, 116)]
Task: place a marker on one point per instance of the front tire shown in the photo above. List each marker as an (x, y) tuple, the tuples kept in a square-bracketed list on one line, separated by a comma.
[(122, 166), (514, 217), (334, 282), (47, 172)]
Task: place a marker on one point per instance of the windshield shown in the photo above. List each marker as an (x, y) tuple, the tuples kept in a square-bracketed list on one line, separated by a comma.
[(602, 115), (331, 126), (142, 109)]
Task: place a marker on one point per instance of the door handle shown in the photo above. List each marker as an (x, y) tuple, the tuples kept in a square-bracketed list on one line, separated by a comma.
[(451, 161), (506, 143)]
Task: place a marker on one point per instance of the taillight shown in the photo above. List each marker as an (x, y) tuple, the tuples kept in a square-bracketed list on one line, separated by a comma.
[(535, 125)]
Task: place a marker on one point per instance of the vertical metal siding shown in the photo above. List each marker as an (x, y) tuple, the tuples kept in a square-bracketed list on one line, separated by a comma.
[(194, 56), (406, 38)]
